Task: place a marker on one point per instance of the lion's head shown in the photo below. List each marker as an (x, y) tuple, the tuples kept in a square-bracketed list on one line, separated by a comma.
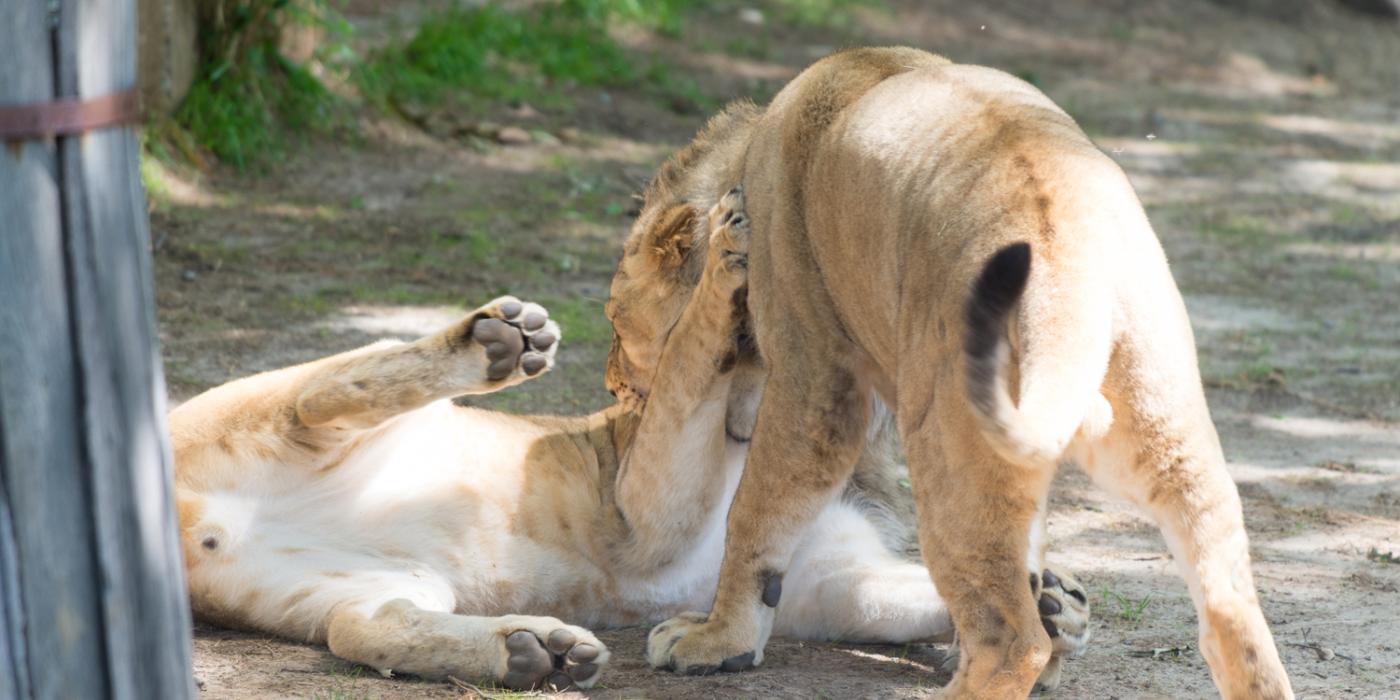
[(665, 252)]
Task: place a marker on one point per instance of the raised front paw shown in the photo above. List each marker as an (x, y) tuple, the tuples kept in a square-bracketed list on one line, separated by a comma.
[(1064, 611), (690, 645), (518, 338), (542, 653), (729, 232)]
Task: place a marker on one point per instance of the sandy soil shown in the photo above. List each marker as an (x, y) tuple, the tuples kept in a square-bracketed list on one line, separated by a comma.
[(1264, 139)]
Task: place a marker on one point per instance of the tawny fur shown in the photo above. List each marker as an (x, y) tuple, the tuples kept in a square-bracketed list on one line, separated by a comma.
[(347, 501), (880, 183)]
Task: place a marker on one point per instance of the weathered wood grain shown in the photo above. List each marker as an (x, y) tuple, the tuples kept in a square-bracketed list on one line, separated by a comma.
[(90, 572)]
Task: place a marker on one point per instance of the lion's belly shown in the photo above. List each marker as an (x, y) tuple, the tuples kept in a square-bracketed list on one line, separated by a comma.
[(455, 501)]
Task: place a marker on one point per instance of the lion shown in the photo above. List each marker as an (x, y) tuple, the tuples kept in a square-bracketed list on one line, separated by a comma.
[(349, 502), (945, 240)]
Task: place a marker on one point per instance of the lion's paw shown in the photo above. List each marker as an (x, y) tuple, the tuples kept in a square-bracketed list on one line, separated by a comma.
[(729, 232), (518, 338), (1064, 611), (1063, 606), (543, 653), (690, 645)]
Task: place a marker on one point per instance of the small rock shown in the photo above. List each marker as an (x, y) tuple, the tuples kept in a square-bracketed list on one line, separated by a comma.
[(413, 110), (440, 125), (751, 15), (485, 130), (478, 144), (569, 134), (524, 111), (189, 275), (1325, 654), (680, 104), (544, 138), (513, 136)]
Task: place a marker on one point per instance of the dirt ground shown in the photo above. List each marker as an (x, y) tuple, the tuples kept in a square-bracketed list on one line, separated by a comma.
[(1264, 139)]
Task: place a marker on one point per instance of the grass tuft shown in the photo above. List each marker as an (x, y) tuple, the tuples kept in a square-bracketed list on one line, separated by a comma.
[(1129, 609)]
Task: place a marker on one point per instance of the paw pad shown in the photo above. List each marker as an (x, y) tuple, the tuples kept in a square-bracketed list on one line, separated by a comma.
[(515, 334), (557, 663)]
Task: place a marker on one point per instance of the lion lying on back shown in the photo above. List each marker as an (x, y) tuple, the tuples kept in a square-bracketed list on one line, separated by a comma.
[(347, 501)]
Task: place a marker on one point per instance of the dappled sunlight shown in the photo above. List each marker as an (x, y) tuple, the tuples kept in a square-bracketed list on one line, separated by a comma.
[(297, 212), (392, 321), (1213, 313), (1370, 184), (181, 186), (1366, 135), (1379, 252), (1312, 428), (1239, 74)]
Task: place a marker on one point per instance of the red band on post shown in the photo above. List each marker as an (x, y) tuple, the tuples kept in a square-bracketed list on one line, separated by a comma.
[(71, 116)]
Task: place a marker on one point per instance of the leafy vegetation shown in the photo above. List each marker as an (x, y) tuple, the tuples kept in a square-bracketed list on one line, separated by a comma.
[(236, 113), (247, 92), (249, 96), (495, 54)]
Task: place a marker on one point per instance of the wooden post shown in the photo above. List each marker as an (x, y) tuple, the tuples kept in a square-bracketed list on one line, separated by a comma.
[(91, 581)]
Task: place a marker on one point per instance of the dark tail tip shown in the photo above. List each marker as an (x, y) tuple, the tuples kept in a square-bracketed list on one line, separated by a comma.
[(997, 290)]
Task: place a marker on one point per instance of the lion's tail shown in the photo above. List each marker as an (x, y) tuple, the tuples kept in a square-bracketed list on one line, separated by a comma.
[(1061, 371)]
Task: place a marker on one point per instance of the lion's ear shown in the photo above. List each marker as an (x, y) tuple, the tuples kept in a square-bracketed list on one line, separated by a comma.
[(673, 236)]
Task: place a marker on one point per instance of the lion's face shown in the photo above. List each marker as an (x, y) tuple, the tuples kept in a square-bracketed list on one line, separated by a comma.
[(656, 277), (659, 272)]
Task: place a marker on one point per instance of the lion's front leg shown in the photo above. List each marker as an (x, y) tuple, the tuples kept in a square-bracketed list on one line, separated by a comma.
[(672, 474), (500, 344)]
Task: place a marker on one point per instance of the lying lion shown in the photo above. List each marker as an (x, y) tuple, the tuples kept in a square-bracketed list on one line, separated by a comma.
[(347, 501), (944, 237)]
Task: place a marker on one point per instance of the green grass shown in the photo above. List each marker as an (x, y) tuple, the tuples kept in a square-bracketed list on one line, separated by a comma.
[(581, 320), (837, 14), (1380, 557), (474, 56), (153, 179), (240, 111), (1240, 231), (497, 54), (1129, 609)]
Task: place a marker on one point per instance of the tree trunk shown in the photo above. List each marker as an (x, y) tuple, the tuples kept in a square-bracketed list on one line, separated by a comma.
[(91, 581)]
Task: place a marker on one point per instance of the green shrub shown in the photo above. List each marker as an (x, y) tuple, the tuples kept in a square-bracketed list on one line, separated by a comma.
[(496, 54), (247, 94)]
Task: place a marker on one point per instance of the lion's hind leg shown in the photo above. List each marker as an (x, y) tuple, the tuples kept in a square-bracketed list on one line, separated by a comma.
[(390, 614), (1174, 469), (975, 519), (844, 585), (516, 651)]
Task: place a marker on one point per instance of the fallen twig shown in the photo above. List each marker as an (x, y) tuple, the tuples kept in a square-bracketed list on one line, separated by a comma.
[(1160, 652)]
